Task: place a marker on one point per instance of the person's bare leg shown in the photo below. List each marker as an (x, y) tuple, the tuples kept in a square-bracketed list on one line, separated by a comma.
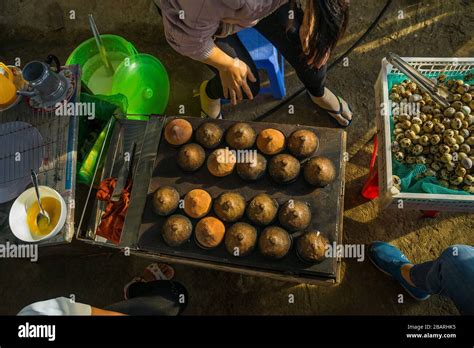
[(210, 107)]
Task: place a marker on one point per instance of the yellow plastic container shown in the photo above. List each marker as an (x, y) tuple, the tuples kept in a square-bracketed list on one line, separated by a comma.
[(7, 87)]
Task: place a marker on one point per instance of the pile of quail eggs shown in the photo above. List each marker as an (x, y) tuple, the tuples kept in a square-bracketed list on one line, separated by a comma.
[(440, 138)]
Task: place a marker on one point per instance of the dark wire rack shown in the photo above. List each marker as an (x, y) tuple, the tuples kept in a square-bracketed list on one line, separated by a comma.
[(54, 149), (51, 128)]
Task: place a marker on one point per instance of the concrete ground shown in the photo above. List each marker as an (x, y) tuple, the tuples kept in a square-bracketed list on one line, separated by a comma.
[(96, 276)]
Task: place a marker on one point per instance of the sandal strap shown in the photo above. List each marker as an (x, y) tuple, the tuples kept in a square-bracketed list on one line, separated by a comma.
[(204, 115), (341, 107), (340, 111), (154, 269)]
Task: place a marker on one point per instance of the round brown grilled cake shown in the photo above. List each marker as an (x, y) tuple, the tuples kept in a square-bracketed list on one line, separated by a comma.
[(240, 239), (274, 242), (165, 200), (177, 230), (209, 135), (178, 131), (221, 162), (295, 215), (229, 206), (303, 143), (191, 157), (311, 246), (262, 209), (240, 136), (319, 171), (284, 168), (197, 203), (271, 141), (209, 232), (253, 169)]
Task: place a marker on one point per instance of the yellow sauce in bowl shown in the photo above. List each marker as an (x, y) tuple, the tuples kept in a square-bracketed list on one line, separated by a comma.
[(53, 207)]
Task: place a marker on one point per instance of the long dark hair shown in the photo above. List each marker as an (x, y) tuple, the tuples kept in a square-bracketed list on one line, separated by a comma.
[(327, 22)]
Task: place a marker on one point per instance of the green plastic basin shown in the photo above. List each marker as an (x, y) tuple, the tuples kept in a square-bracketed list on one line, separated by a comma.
[(144, 81), (88, 57)]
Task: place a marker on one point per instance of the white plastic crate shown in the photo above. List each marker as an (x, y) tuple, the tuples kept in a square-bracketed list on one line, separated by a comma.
[(430, 67)]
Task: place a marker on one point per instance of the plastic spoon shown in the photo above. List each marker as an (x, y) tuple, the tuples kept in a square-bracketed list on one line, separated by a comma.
[(43, 214), (100, 46)]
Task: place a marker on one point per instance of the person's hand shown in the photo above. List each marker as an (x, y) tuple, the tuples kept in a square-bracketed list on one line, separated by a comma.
[(234, 81)]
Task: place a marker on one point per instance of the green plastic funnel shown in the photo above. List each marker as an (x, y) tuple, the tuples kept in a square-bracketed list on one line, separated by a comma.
[(144, 81)]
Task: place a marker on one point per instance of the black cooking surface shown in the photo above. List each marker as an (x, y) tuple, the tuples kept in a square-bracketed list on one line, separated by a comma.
[(326, 203)]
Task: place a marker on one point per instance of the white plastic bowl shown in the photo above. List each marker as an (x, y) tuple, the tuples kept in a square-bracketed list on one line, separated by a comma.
[(18, 220)]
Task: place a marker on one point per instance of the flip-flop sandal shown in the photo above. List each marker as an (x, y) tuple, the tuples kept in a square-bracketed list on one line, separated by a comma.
[(339, 112), (204, 115), (157, 272)]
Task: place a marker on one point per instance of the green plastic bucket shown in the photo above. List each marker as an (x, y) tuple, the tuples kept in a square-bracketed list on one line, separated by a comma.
[(93, 71)]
